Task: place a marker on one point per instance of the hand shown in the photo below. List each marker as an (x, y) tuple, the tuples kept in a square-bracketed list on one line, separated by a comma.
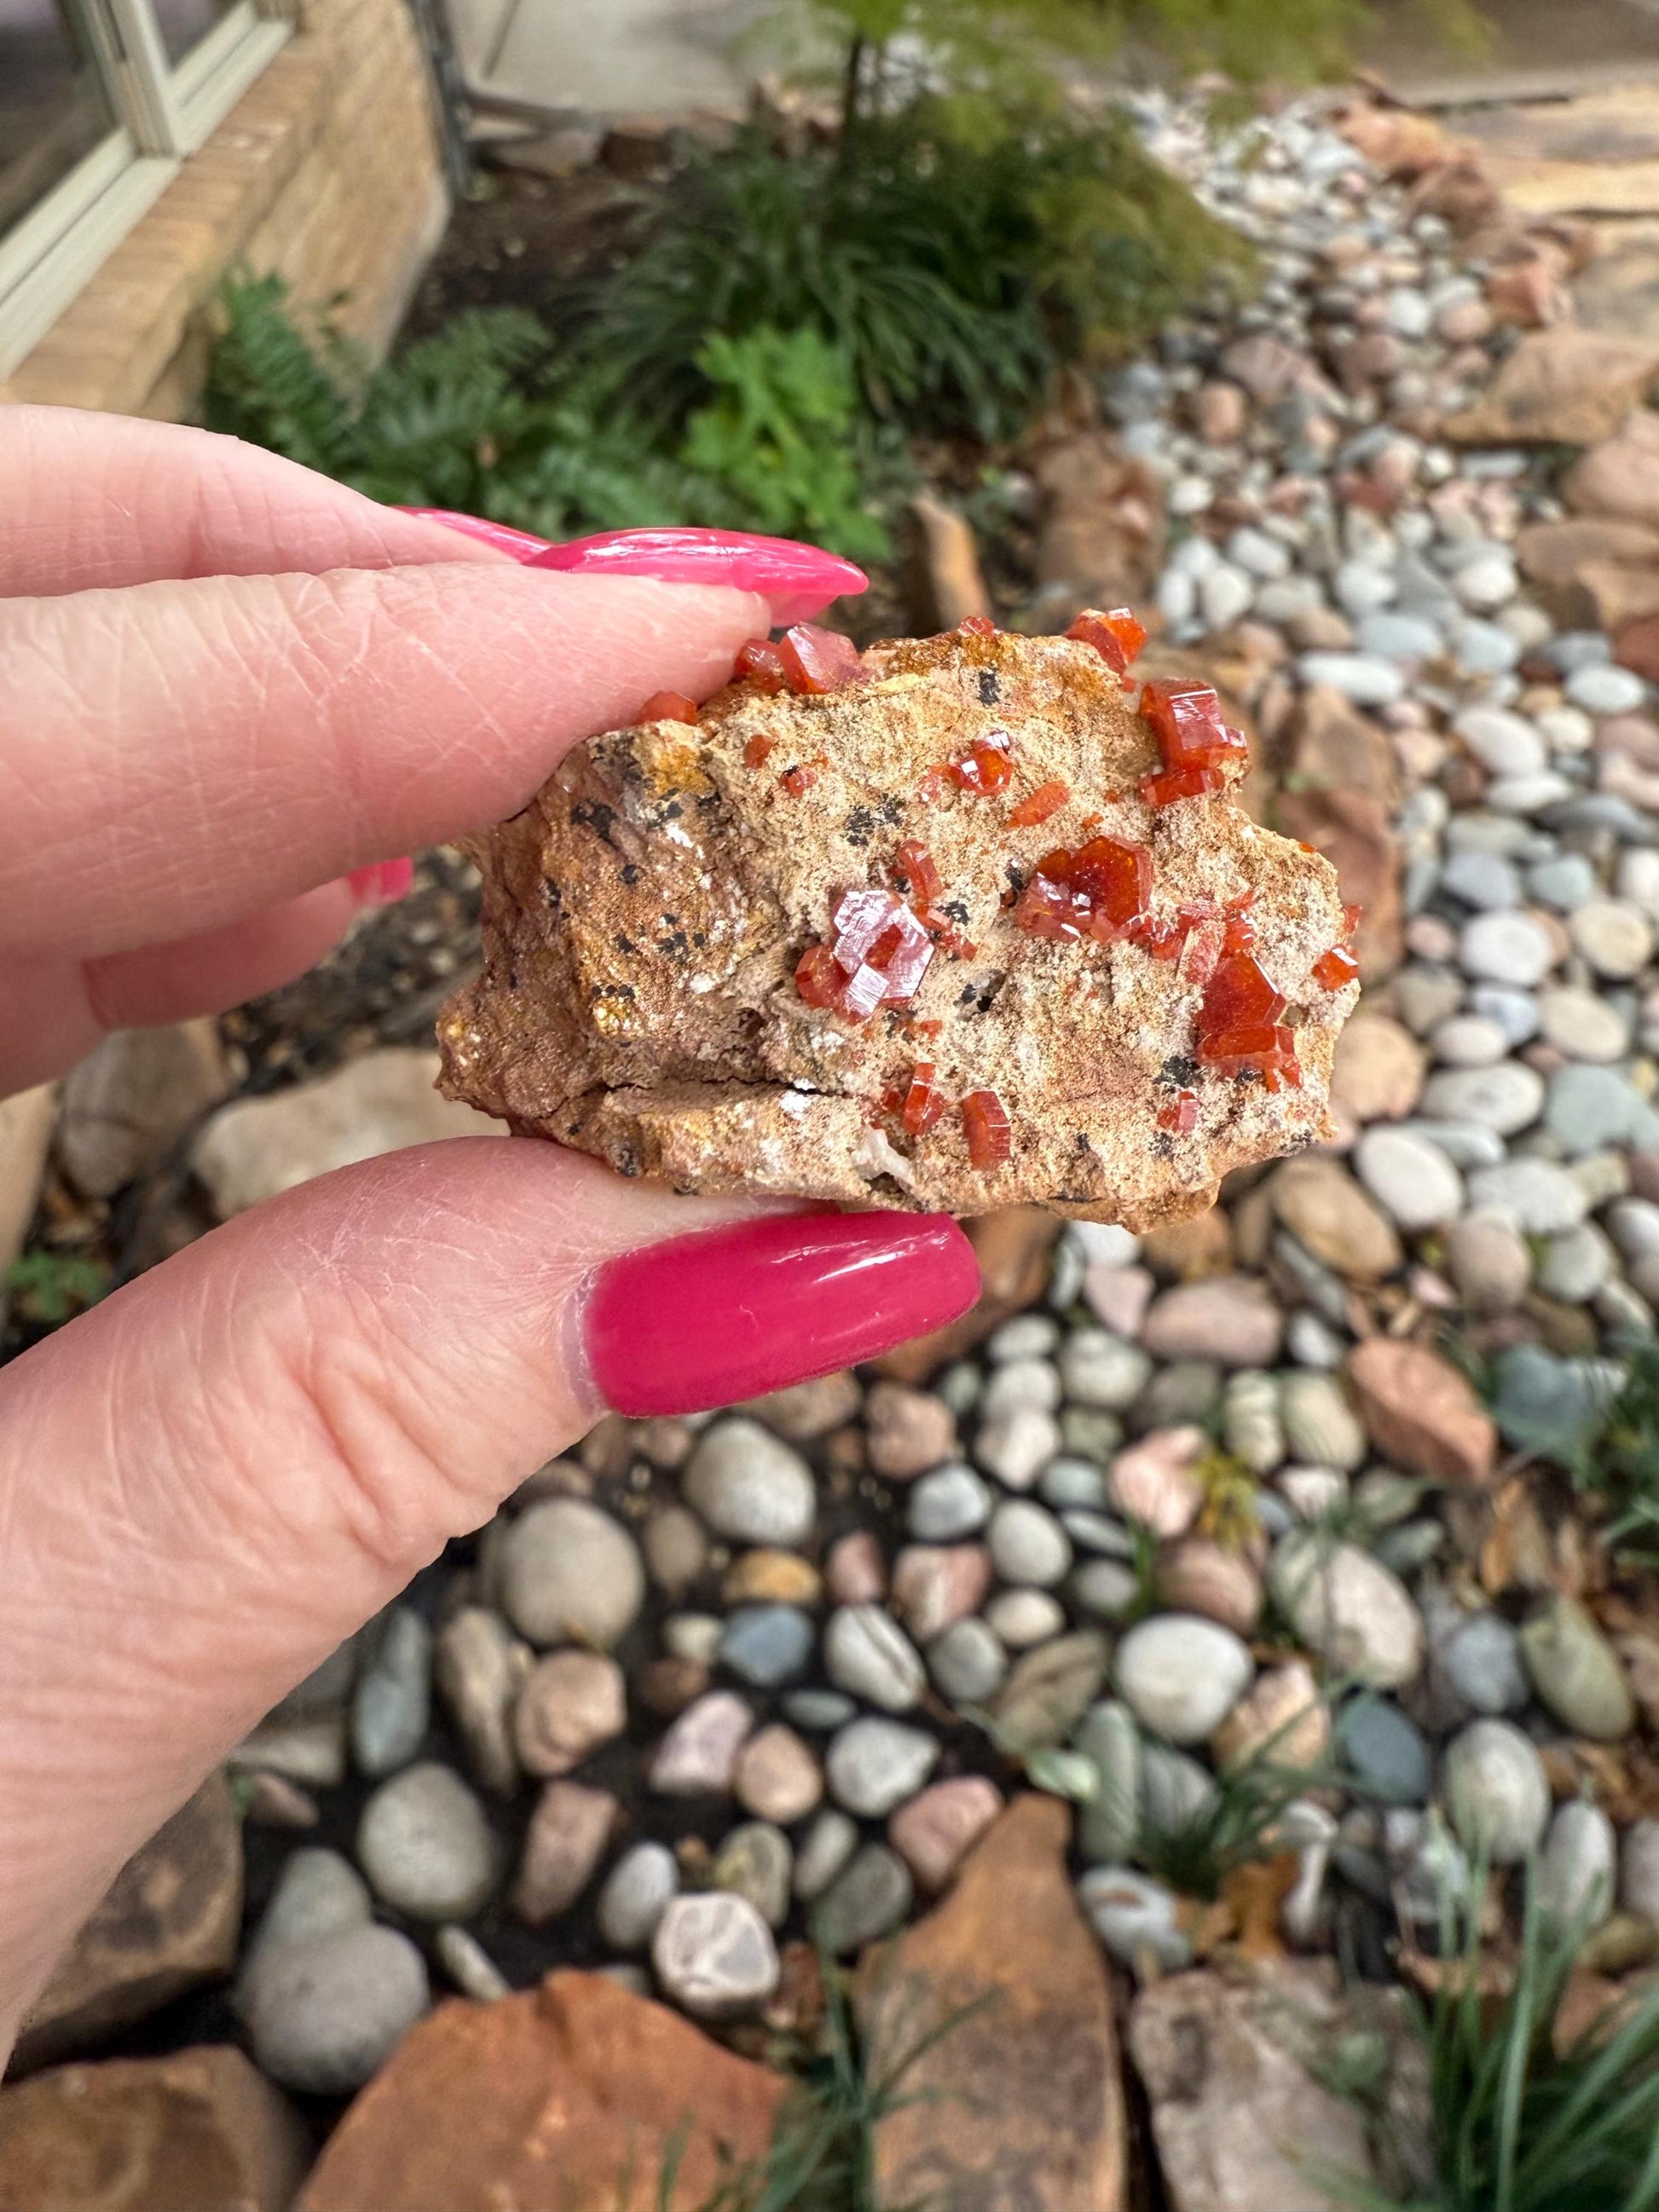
[(227, 688)]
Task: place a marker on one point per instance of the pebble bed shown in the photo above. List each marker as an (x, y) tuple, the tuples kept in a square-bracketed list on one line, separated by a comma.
[(709, 1685)]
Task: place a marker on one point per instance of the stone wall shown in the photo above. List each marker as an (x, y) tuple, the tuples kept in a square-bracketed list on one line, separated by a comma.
[(327, 169)]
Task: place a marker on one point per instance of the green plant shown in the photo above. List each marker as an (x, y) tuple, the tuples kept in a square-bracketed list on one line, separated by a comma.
[(780, 433), (953, 272), (49, 1287), (469, 418), (483, 417), (1618, 1462), (1234, 1823), (821, 2155), (1515, 2124)]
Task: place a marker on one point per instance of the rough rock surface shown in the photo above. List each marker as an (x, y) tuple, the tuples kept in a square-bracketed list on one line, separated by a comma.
[(1019, 2106), (644, 916), (198, 2132), (579, 2097), (1242, 2124), (168, 1920)]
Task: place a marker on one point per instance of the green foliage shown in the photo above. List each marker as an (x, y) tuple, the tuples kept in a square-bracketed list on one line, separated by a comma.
[(1515, 2127), (1237, 1822), (1010, 46), (1618, 1463), (51, 1287), (952, 272), (821, 2156), (780, 433), (481, 418)]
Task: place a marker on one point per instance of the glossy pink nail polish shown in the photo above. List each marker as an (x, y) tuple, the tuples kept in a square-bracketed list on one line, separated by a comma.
[(732, 1313), (383, 881), (502, 535), (799, 581)]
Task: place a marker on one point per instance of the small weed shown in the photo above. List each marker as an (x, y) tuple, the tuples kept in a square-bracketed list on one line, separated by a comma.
[(1515, 2125), (1234, 1823), (821, 2156), (50, 1288)]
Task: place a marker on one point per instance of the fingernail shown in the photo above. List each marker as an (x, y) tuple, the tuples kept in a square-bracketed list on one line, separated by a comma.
[(502, 535), (799, 581), (733, 1313), (382, 883)]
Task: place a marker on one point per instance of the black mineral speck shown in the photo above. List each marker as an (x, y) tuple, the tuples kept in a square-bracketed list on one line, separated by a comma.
[(630, 874), (625, 943), (859, 826), (1180, 1068), (593, 814), (957, 911), (1162, 1145), (990, 691)]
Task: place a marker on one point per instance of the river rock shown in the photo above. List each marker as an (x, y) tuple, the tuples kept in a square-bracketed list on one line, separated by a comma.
[(715, 1955), (1180, 1674), (748, 1485), (1575, 1672), (1348, 1608), (1326, 1210), (325, 2015), (867, 1900), (1420, 1412), (571, 1574), (1495, 1792), (635, 1895), (1232, 1319), (874, 1765), (868, 1654)]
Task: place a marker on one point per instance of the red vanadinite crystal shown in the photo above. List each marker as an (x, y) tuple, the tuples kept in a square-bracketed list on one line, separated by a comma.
[(758, 751), (916, 868), (986, 769), (861, 919), (1159, 940), (924, 1102), (1240, 997), (795, 781), (1185, 719), (1114, 877), (877, 935), (819, 660), (1336, 969), (1239, 1031), (977, 626), (985, 1124), (1048, 798), (1048, 908), (818, 977), (1350, 915), (1117, 637), (760, 663), (1202, 950), (667, 707), (1175, 783), (1179, 1114)]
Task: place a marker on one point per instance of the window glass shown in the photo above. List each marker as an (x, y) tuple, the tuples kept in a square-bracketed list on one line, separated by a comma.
[(53, 110), (184, 23)]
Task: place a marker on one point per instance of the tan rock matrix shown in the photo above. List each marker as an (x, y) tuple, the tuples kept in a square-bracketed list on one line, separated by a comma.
[(645, 915)]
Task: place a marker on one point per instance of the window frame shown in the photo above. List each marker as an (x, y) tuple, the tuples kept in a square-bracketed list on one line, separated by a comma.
[(165, 112)]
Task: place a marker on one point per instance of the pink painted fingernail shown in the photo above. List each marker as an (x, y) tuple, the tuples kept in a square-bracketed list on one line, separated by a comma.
[(502, 535), (733, 1313), (799, 581), (382, 883)]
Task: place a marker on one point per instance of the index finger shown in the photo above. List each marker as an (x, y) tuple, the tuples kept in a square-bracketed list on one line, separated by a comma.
[(179, 755), (91, 501)]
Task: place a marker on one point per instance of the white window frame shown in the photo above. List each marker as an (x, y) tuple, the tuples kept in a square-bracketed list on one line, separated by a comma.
[(165, 111)]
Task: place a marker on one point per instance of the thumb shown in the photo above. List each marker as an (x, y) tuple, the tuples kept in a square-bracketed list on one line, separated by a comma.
[(218, 1473)]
